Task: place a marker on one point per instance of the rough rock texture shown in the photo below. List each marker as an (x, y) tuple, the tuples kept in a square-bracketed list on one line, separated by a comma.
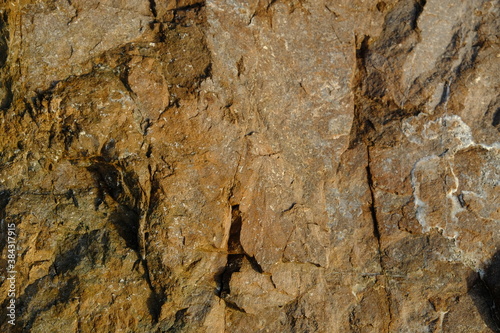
[(251, 166)]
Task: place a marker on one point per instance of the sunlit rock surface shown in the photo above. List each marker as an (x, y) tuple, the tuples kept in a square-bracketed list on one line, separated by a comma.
[(250, 166)]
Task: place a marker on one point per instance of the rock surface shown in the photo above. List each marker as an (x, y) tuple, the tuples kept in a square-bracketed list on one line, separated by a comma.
[(250, 166)]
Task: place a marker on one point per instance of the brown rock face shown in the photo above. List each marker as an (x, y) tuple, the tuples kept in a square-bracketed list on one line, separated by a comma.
[(249, 166)]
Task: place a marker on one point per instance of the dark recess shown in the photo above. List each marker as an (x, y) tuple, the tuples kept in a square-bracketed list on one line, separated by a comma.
[(154, 302), (180, 321), (235, 257), (152, 7), (485, 291), (6, 102), (496, 118)]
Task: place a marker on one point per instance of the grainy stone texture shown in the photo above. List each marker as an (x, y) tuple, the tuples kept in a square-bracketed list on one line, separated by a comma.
[(251, 166)]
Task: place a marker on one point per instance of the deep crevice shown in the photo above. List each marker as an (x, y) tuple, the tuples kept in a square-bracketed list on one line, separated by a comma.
[(156, 298), (419, 8), (235, 257), (377, 234), (152, 8), (233, 264), (235, 253), (233, 243), (376, 227)]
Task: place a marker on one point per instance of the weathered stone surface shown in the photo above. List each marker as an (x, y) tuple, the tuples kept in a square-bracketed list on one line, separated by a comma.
[(256, 166)]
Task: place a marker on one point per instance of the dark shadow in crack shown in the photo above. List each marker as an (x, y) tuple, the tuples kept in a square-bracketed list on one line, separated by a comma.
[(484, 289)]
